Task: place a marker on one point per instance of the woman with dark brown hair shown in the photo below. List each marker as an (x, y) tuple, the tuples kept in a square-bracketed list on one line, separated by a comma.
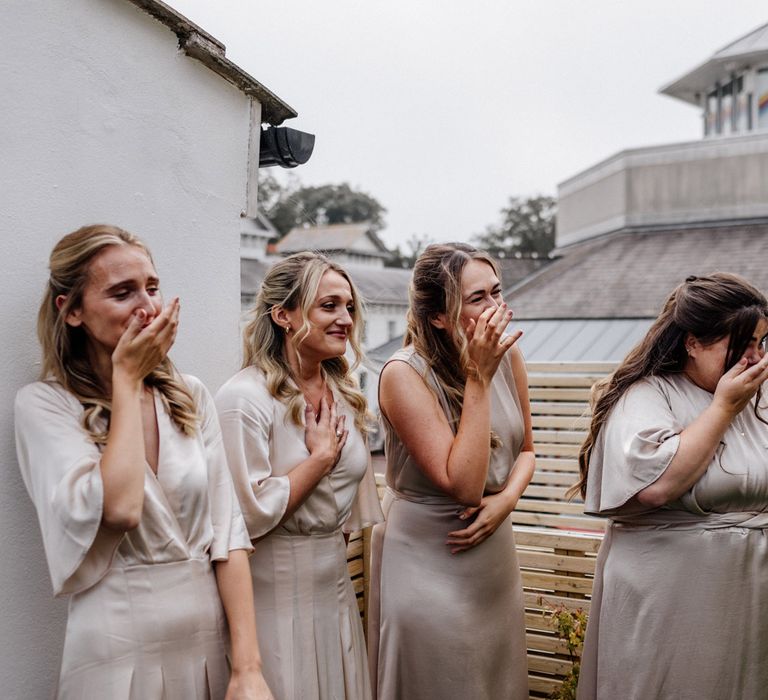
[(449, 619), (677, 458)]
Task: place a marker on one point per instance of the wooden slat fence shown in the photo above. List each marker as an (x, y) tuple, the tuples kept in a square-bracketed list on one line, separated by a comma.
[(556, 543)]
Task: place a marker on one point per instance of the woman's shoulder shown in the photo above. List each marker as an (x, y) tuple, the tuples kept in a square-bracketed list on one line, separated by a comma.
[(247, 387), (409, 356), (46, 394)]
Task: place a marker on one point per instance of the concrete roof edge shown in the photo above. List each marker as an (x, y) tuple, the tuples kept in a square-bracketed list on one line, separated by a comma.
[(202, 46)]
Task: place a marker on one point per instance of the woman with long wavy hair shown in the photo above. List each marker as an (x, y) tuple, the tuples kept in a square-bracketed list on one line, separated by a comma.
[(122, 457), (677, 457), (294, 425), (449, 619)]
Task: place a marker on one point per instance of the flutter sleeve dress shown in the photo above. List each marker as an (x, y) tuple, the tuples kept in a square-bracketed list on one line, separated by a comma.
[(309, 627), (443, 625), (680, 601), (145, 619)]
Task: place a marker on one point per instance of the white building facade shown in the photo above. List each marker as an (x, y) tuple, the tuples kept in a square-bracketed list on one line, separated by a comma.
[(114, 112)]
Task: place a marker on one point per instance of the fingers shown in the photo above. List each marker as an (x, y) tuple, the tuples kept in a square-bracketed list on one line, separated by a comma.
[(509, 340)]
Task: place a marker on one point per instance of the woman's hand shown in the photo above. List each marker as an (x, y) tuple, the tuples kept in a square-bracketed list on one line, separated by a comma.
[(492, 512), (141, 348), (326, 435), (248, 685), (739, 384), (486, 343)]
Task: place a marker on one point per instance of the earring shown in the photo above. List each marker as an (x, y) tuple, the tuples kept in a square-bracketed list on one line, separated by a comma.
[(287, 330)]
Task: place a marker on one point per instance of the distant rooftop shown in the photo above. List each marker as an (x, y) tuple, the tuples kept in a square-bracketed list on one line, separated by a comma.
[(737, 56), (628, 275), (333, 238), (387, 285)]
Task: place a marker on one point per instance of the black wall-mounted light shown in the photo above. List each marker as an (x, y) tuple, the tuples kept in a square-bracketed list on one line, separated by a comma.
[(280, 145)]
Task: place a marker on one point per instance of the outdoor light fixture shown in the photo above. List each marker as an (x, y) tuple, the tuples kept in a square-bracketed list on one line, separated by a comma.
[(285, 147)]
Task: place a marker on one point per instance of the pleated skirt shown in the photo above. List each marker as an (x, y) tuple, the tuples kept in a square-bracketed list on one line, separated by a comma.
[(147, 632), (310, 633), (449, 626)]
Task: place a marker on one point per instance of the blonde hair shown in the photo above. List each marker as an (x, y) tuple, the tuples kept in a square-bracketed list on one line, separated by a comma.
[(436, 289), (293, 283), (64, 347)]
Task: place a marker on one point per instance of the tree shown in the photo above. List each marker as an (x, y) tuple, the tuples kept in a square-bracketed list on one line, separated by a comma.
[(292, 205), (416, 245), (527, 226)]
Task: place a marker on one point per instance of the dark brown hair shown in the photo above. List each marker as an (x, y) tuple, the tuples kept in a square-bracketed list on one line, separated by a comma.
[(709, 308)]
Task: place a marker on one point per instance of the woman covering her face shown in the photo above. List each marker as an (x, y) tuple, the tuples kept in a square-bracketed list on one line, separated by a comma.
[(294, 425), (677, 458), (122, 457), (459, 450)]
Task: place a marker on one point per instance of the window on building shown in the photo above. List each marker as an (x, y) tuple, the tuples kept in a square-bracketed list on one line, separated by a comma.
[(391, 329)]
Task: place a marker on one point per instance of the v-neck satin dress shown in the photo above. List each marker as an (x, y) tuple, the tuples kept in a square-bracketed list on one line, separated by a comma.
[(680, 600), (310, 634), (446, 626), (145, 619)]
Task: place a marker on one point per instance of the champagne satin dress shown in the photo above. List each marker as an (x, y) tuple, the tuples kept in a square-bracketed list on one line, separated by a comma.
[(442, 625), (680, 602), (309, 627), (145, 618)]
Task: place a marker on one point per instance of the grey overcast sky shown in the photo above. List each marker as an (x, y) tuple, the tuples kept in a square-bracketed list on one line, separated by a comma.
[(443, 109)]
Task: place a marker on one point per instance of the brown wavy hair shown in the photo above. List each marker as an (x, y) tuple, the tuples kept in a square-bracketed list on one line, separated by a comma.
[(436, 289), (64, 347), (292, 283), (709, 308)]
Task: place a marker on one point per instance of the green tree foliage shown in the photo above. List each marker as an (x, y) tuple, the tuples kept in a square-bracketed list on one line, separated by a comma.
[(292, 204), (527, 226)]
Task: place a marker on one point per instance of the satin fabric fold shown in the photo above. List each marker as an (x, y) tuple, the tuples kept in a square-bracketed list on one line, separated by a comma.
[(145, 619), (442, 625), (308, 622), (680, 599)]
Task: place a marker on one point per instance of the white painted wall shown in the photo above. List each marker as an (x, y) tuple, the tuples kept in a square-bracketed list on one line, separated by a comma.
[(104, 120)]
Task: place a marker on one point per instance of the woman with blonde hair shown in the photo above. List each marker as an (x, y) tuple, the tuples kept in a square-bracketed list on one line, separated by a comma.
[(294, 425), (677, 457), (122, 457), (449, 620)]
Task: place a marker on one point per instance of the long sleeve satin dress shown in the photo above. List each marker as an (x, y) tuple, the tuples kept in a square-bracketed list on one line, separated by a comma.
[(145, 618), (310, 634), (442, 625), (680, 602)]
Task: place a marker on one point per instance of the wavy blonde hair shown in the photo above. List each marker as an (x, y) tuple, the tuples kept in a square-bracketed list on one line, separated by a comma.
[(293, 283), (64, 347), (436, 289)]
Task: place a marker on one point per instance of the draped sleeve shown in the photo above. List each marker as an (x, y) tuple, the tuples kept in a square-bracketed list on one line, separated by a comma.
[(60, 465), (246, 415), (366, 507), (229, 531), (634, 447)]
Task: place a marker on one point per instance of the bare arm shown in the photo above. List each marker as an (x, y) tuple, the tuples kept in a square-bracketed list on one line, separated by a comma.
[(233, 578), (456, 464), (123, 460), (700, 439), (494, 509)]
